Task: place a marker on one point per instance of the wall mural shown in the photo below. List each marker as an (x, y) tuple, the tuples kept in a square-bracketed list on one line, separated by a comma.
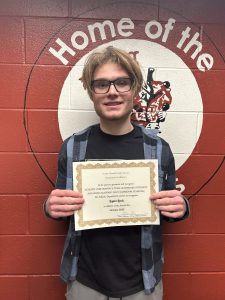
[(152, 103)]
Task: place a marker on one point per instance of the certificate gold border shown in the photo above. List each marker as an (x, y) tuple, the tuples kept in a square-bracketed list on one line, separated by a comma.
[(88, 166)]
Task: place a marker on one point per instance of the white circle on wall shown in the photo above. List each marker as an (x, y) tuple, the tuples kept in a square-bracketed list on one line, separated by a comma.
[(183, 123)]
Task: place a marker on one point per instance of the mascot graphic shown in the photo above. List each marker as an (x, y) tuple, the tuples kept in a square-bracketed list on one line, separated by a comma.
[(152, 103)]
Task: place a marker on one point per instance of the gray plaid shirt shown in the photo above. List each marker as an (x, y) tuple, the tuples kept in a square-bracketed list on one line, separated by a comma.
[(74, 149)]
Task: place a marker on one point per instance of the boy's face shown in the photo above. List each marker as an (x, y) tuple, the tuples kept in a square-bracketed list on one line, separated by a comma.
[(112, 105)]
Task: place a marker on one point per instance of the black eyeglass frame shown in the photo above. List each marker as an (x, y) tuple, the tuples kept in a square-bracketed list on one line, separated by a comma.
[(112, 82)]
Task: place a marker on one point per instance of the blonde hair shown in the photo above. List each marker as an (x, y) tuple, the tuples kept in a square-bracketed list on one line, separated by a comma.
[(114, 55)]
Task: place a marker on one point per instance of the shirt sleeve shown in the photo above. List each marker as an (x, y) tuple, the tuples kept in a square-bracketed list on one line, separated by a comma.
[(62, 168), (61, 176), (169, 183)]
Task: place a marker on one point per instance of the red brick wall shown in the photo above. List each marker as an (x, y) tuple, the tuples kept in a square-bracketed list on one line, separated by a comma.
[(31, 81)]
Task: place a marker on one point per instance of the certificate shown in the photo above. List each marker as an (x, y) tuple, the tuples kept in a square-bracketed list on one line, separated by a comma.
[(116, 193)]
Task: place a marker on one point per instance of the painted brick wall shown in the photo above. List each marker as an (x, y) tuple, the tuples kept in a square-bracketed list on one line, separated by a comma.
[(31, 81)]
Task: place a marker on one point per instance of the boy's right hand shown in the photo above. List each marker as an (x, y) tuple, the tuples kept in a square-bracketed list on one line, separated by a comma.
[(63, 203)]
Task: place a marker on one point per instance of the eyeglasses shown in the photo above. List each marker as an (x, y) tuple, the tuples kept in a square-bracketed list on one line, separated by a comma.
[(102, 86)]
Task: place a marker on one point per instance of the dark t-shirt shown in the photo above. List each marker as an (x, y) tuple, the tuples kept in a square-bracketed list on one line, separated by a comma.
[(110, 258)]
